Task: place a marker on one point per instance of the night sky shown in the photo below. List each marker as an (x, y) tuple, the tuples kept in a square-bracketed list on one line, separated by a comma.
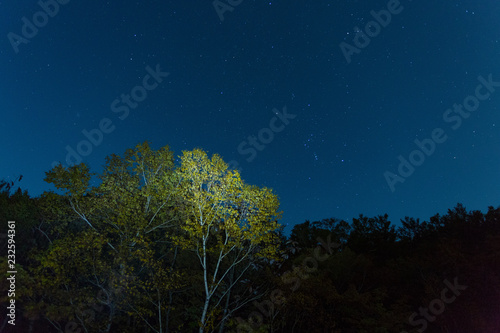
[(323, 101)]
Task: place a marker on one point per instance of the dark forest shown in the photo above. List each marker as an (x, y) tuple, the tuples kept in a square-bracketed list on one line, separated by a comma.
[(150, 245)]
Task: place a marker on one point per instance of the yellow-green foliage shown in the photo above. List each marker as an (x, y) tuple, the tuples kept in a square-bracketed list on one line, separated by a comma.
[(121, 237), (222, 206)]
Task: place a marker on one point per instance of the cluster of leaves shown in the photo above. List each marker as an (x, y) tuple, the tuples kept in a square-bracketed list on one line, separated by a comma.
[(160, 247), (153, 245)]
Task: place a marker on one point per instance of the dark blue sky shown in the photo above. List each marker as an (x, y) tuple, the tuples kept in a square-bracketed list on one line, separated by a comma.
[(271, 88)]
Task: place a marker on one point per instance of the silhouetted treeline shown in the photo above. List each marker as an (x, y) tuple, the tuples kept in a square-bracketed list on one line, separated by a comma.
[(441, 275)]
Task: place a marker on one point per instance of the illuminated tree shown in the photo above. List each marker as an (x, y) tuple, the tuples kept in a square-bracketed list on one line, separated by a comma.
[(230, 226)]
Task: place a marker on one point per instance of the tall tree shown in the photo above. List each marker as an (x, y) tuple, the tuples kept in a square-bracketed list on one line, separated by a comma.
[(130, 213), (228, 224)]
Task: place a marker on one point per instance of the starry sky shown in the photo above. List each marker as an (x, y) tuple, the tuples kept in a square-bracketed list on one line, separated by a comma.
[(342, 107)]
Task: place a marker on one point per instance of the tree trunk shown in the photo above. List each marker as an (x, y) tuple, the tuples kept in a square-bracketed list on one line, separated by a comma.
[(226, 306), (170, 295), (207, 291), (204, 314)]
